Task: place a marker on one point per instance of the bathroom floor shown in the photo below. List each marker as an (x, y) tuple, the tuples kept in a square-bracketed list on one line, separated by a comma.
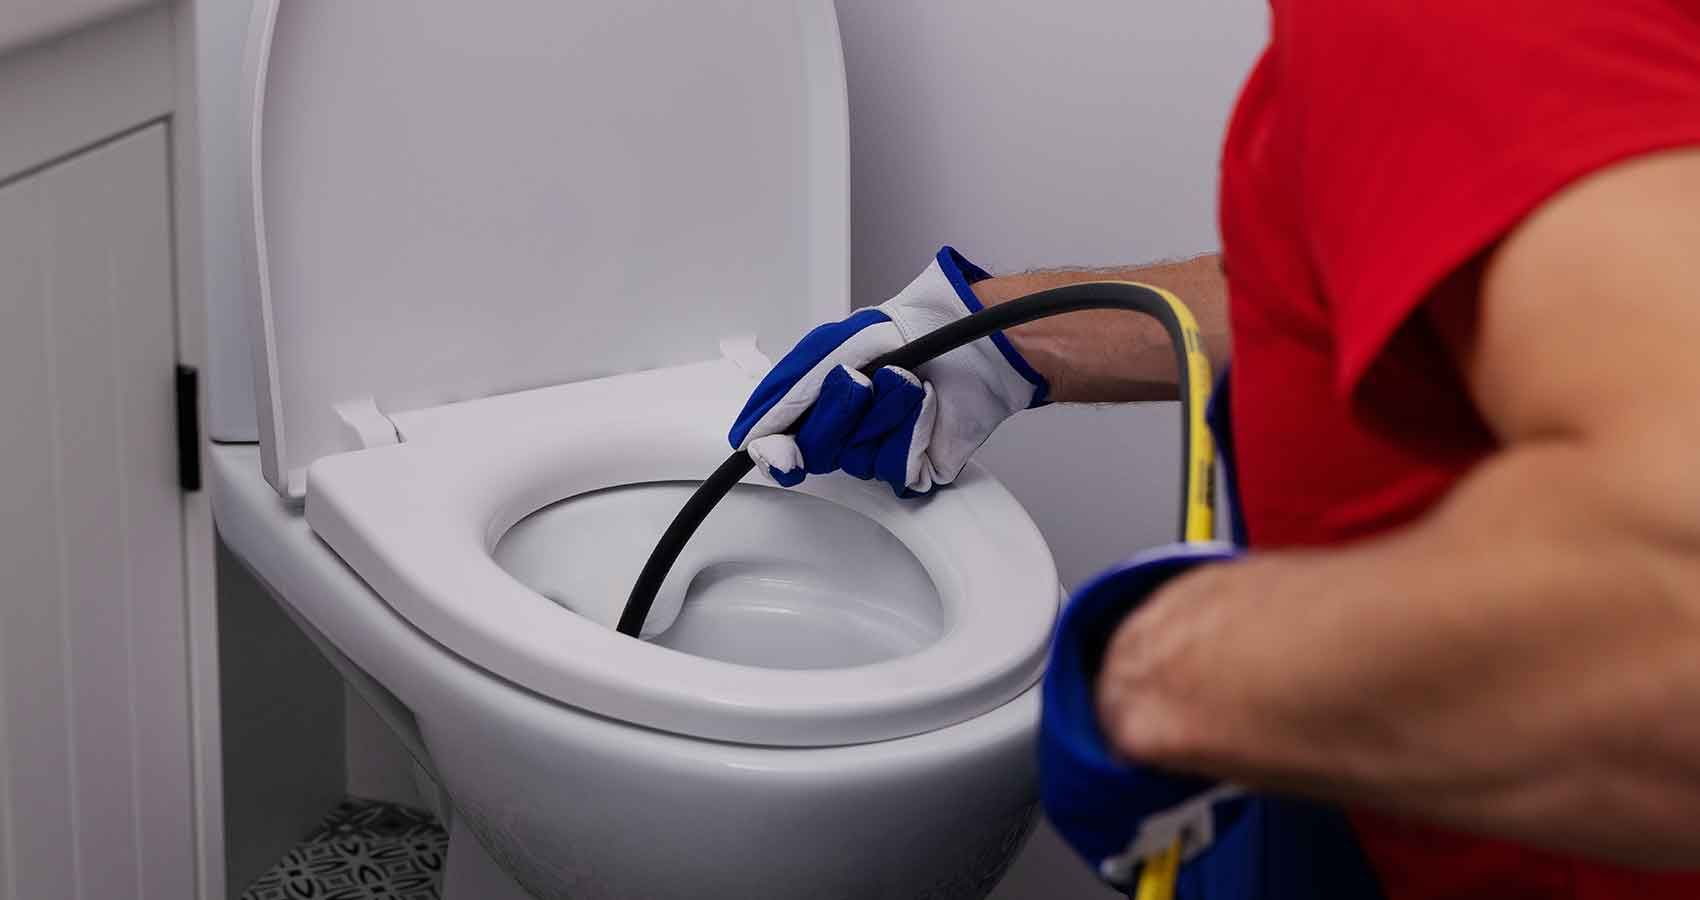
[(364, 850)]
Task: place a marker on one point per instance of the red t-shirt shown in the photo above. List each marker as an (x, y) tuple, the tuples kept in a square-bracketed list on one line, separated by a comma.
[(1378, 150)]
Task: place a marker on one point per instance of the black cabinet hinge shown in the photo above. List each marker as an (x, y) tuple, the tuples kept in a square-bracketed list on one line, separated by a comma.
[(188, 428)]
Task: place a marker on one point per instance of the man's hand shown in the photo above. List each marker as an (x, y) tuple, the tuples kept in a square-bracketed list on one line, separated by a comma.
[(913, 430), (1524, 660), (1119, 816)]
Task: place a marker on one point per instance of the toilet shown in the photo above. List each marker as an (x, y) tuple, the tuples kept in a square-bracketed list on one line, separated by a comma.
[(510, 277)]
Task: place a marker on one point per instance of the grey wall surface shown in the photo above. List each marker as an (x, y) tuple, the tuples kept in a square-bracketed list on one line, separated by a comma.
[(378, 767), (1071, 132), (221, 30), (282, 720)]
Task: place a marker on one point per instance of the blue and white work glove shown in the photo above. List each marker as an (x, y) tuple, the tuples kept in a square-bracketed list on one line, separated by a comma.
[(1115, 813), (912, 430)]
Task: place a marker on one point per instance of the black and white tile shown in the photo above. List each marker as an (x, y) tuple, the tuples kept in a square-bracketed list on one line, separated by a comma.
[(365, 850)]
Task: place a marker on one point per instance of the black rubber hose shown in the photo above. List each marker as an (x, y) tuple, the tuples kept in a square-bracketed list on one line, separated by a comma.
[(964, 331)]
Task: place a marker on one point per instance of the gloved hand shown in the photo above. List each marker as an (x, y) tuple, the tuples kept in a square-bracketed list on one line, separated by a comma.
[(1116, 813), (913, 430)]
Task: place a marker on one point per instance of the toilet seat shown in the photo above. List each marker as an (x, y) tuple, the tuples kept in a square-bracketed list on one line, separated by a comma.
[(418, 521)]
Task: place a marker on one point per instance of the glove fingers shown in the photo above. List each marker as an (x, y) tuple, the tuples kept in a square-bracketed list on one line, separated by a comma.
[(790, 388), (895, 392), (844, 397), (890, 442), (895, 395), (900, 459), (779, 457), (857, 460), (877, 428)]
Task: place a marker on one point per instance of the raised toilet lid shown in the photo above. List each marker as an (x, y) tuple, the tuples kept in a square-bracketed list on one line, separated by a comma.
[(446, 200)]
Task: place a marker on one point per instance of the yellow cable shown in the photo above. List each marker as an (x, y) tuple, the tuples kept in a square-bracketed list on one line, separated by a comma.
[(1157, 877), (1201, 452), (1200, 516)]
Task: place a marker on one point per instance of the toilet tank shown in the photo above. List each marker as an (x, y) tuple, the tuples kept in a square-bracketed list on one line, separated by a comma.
[(446, 200)]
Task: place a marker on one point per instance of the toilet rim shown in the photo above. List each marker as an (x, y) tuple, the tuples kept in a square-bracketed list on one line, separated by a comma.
[(419, 521)]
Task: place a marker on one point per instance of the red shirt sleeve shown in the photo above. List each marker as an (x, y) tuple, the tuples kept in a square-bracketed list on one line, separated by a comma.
[(1432, 127)]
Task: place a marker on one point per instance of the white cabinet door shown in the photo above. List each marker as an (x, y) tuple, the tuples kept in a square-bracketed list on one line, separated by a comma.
[(94, 720)]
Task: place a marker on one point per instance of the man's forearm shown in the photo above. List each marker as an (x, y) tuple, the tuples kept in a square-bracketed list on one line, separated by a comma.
[(1521, 662), (1103, 356)]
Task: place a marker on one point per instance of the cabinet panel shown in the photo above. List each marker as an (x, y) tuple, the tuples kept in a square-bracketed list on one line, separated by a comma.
[(95, 800), (35, 20), (73, 91)]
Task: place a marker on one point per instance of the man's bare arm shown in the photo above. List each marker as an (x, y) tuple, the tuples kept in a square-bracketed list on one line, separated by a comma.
[(1524, 661), (1103, 356)]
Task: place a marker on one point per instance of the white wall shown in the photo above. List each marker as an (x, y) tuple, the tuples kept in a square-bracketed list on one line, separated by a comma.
[(221, 31)]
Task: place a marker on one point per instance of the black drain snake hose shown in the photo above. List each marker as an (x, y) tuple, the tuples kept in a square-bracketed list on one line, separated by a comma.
[(1193, 380)]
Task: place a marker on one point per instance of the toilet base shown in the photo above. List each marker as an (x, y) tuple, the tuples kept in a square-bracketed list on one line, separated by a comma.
[(471, 874)]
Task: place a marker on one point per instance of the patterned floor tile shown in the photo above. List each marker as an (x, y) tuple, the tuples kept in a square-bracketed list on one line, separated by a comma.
[(364, 850)]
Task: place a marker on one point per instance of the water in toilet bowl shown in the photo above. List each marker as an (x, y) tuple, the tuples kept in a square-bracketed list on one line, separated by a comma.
[(775, 578)]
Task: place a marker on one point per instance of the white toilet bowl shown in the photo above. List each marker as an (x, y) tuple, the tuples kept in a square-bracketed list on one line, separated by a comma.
[(571, 804), (875, 741), (808, 710), (835, 695)]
